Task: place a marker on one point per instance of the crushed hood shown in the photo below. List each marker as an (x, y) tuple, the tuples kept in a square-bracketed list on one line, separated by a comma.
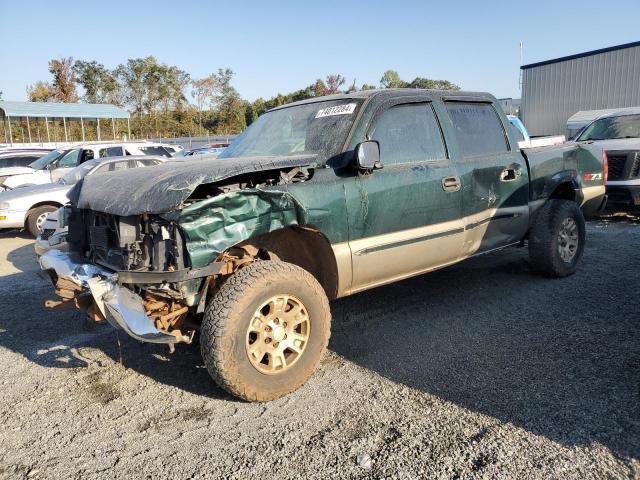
[(162, 188)]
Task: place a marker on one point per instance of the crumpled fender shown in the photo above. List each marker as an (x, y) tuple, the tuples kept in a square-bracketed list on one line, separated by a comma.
[(213, 225)]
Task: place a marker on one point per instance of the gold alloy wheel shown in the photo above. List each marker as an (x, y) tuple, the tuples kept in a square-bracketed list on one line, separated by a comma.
[(278, 334), (568, 240)]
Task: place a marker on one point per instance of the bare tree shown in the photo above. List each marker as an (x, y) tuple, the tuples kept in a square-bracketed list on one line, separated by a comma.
[(64, 80), (334, 82)]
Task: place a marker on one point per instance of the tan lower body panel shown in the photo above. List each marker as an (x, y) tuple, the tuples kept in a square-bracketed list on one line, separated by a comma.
[(373, 261), (593, 192)]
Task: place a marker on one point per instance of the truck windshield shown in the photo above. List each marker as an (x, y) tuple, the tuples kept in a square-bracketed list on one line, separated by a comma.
[(319, 128), (42, 162), (609, 128)]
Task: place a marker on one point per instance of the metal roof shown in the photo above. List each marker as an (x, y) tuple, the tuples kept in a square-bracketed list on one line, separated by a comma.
[(59, 110), (581, 55)]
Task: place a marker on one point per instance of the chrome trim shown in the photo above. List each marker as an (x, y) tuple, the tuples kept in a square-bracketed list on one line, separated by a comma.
[(122, 308), (623, 183), (68, 266)]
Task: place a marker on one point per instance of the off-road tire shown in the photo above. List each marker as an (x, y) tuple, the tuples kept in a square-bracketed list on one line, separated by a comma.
[(32, 218), (543, 238), (226, 320)]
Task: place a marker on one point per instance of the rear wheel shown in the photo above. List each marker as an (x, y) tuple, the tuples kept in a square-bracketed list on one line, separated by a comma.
[(557, 238), (265, 330), (36, 218)]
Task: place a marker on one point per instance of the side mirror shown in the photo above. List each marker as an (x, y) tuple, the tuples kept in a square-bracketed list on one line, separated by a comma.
[(367, 155)]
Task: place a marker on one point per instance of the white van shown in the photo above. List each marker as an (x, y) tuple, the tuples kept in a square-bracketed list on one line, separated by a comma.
[(53, 166)]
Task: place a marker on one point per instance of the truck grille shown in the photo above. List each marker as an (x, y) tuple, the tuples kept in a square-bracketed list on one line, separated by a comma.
[(616, 166), (624, 164)]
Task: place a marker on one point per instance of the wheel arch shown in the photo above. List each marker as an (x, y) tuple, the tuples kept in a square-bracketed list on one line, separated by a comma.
[(38, 205), (307, 247), (567, 189)]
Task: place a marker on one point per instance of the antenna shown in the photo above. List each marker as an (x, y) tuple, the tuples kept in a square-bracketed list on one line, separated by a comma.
[(521, 61)]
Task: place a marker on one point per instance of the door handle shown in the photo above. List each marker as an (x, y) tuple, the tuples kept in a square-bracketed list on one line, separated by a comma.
[(511, 173), (451, 184)]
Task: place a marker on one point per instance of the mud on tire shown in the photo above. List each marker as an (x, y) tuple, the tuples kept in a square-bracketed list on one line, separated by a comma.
[(550, 249), (230, 318)]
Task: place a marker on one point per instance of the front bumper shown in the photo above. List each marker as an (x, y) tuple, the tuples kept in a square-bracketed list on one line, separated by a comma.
[(623, 196), (121, 307), (12, 219)]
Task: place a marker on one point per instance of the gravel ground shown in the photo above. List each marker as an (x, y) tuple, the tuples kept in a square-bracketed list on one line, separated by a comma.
[(482, 370)]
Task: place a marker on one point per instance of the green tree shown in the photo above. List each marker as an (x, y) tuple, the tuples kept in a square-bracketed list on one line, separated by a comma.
[(204, 93), (319, 88), (391, 79), (100, 85), (230, 108), (40, 92), (420, 82)]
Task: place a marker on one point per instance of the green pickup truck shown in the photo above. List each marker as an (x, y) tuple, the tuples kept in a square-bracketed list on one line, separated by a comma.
[(316, 200)]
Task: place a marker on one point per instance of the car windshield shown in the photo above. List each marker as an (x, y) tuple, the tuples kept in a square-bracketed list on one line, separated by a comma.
[(42, 162), (609, 128), (319, 128), (78, 173)]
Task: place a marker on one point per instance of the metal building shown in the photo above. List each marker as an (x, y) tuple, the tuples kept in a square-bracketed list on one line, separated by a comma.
[(554, 90), (13, 115)]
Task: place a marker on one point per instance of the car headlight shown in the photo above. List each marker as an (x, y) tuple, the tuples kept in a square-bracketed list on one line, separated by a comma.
[(4, 205), (2, 179)]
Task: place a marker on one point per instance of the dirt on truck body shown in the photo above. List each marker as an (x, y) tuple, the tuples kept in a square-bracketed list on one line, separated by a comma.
[(315, 200)]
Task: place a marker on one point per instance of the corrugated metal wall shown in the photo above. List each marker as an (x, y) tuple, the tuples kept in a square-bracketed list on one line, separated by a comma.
[(553, 92)]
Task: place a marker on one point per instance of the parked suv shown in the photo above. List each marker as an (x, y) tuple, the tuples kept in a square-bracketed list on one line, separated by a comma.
[(316, 200), (55, 165)]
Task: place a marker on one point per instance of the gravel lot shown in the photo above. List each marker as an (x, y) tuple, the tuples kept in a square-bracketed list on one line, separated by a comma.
[(479, 370)]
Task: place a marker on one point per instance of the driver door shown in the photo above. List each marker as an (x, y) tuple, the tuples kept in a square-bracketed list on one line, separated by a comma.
[(405, 218)]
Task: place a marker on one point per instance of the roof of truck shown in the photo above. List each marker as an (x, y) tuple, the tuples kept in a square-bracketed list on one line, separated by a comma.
[(394, 93)]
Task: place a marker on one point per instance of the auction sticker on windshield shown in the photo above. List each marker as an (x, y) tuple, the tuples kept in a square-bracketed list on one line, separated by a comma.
[(345, 109)]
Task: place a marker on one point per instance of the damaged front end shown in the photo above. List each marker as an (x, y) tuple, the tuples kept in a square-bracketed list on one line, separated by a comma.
[(150, 274)]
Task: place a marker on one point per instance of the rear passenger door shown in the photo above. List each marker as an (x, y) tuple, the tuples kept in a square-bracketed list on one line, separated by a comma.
[(495, 181), (403, 220)]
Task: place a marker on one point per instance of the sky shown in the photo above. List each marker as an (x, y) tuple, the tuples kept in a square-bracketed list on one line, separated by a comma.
[(280, 46)]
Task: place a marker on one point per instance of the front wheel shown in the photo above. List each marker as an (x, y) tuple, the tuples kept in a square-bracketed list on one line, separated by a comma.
[(36, 218), (265, 330), (557, 238)]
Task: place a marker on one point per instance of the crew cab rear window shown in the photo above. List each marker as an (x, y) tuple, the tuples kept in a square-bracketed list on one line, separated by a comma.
[(478, 128), (408, 133)]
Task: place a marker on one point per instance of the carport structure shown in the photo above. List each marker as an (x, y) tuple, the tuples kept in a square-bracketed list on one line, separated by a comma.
[(67, 112)]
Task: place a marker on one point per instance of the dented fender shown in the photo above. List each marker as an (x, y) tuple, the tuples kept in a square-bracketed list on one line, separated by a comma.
[(213, 225)]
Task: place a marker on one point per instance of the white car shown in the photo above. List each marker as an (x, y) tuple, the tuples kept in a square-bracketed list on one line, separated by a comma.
[(28, 207), (56, 164)]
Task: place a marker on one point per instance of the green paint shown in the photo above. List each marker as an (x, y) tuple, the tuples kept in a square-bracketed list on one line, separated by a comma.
[(213, 225)]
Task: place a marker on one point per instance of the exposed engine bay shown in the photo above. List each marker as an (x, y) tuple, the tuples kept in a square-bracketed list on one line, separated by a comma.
[(149, 256), (155, 242)]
